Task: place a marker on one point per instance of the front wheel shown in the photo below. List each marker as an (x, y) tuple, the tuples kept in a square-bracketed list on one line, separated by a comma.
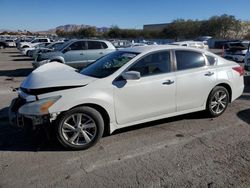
[(217, 101), (80, 128)]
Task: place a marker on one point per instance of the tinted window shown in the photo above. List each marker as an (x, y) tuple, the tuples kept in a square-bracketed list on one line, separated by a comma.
[(211, 59), (155, 63), (189, 60), (43, 40), (79, 45), (35, 41), (94, 45)]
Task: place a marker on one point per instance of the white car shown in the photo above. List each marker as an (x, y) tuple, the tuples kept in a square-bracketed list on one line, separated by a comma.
[(10, 42), (32, 43), (124, 88), (193, 44), (25, 51)]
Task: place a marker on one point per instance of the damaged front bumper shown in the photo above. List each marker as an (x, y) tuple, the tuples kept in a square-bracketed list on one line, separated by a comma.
[(19, 120)]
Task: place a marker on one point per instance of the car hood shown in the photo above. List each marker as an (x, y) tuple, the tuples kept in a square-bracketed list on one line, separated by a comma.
[(55, 75)]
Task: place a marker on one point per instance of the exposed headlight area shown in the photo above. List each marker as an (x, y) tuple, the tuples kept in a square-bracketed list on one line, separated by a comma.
[(39, 107)]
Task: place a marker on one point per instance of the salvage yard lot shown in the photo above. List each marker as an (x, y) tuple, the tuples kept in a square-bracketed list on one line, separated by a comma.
[(185, 151)]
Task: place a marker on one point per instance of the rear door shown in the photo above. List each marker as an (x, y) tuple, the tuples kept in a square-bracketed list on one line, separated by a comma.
[(75, 54), (194, 79), (95, 50)]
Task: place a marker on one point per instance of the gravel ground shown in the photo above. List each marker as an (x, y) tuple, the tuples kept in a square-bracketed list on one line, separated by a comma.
[(185, 151)]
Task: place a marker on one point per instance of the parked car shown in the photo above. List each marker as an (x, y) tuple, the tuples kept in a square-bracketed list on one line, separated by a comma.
[(26, 51), (247, 58), (3, 44), (10, 43), (76, 53), (124, 88), (194, 44), (51, 47), (236, 51), (32, 43)]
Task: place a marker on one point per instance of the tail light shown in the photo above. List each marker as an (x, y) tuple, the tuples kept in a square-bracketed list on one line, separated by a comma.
[(240, 70)]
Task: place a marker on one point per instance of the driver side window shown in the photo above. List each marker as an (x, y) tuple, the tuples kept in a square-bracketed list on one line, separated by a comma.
[(152, 64), (79, 45)]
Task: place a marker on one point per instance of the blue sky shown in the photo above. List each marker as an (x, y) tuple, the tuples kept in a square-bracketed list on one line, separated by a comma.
[(35, 15)]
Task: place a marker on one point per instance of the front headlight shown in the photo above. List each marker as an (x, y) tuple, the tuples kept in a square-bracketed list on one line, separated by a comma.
[(39, 107)]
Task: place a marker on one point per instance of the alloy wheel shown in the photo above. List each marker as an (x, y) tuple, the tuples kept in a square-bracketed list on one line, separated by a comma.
[(79, 129), (219, 102)]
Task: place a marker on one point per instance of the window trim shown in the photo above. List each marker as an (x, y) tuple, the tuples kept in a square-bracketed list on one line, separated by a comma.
[(76, 42), (175, 60), (208, 63), (158, 51)]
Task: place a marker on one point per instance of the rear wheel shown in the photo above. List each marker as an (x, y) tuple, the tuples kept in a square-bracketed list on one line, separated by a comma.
[(217, 101), (80, 128)]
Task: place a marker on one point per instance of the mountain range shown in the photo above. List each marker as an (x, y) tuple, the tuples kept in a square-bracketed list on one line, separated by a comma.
[(73, 27), (66, 28)]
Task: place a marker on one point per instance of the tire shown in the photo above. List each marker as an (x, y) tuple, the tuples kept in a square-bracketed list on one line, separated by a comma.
[(27, 53), (217, 101), (79, 136)]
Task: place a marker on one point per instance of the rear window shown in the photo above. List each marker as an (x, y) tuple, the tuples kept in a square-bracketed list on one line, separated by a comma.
[(189, 60), (95, 45)]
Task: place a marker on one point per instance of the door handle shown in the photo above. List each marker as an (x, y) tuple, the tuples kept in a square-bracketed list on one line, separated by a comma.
[(81, 53), (168, 82), (209, 73), (101, 53)]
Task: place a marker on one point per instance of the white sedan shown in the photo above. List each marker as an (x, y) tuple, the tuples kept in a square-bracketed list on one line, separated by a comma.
[(124, 88)]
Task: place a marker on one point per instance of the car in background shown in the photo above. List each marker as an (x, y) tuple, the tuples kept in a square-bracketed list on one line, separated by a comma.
[(3, 44), (193, 44), (124, 88), (76, 53), (26, 51), (51, 47), (32, 43), (10, 43), (247, 59), (236, 51), (121, 43)]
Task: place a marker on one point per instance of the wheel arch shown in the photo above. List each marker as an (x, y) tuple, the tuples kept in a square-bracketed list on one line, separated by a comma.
[(57, 59), (229, 89), (225, 85), (102, 111)]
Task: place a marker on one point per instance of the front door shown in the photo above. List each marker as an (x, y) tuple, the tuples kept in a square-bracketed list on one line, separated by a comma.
[(152, 95)]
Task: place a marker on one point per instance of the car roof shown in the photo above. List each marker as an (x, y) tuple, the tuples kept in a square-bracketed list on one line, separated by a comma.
[(152, 48), (74, 40)]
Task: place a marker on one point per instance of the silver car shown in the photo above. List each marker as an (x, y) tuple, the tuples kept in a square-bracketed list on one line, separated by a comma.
[(76, 53)]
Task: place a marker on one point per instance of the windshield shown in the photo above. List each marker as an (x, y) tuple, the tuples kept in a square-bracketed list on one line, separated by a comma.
[(55, 46), (61, 47), (108, 64)]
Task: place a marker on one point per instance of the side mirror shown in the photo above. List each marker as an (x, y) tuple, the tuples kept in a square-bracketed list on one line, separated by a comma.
[(131, 75)]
